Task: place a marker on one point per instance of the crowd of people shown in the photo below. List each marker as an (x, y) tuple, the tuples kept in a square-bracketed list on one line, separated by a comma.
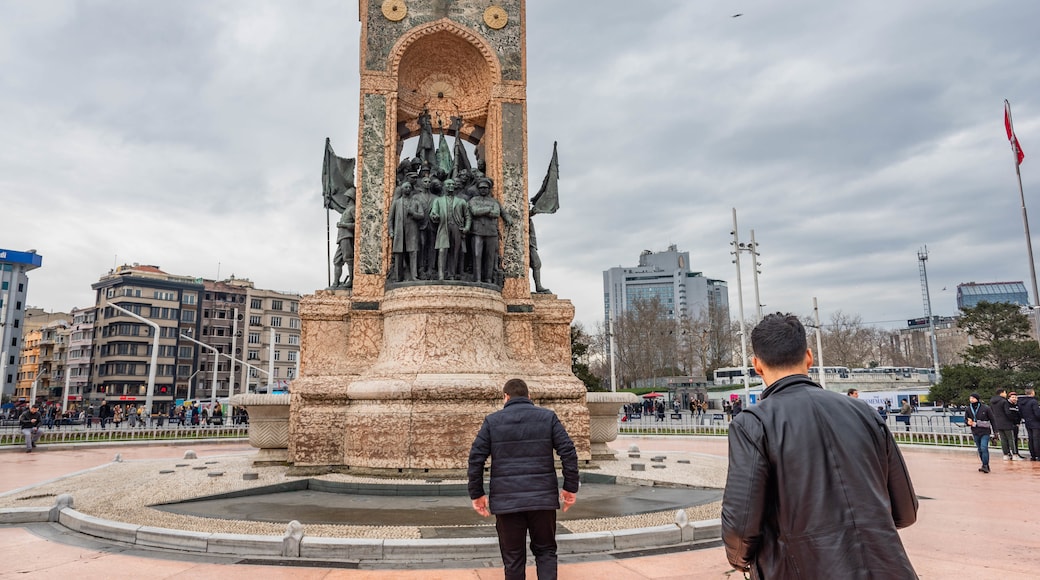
[(1001, 419), (48, 415)]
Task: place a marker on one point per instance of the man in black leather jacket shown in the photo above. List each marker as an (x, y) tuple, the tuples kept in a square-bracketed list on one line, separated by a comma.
[(816, 486), (525, 493)]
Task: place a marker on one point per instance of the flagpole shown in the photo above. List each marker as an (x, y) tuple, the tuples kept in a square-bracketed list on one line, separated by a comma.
[(328, 246), (1025, 218)]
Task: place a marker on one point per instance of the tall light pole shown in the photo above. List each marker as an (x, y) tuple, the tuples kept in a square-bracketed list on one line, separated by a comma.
[(753, 250), (190, 378), (819, 345), (740, 306), (149, 397), (922, 258), (231, 365)]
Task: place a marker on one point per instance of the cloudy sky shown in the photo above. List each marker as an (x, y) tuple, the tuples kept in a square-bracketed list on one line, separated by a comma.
[(848, 135)]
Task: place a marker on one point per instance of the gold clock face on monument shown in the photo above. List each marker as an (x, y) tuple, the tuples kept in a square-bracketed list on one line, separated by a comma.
[(395, 10), (495, 17)]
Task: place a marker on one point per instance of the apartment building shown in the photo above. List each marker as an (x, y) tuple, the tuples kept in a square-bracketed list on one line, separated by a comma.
[(272, 340), (123, 344)]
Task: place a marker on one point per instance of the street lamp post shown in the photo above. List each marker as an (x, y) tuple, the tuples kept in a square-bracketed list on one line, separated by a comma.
[(149, 397)]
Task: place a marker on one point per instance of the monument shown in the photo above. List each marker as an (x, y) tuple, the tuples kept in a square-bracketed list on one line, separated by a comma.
[(400, 365)]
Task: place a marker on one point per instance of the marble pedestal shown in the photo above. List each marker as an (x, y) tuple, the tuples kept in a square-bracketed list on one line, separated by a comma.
[(603, 418), (401, 386), (268, 426)]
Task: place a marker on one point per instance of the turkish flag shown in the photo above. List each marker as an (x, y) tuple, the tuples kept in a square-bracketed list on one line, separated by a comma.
[(1019, 155)]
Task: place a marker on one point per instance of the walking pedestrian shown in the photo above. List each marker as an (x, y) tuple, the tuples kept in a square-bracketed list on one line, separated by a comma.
[(980, 418), (1030, 409), (1002, 426), (524, 496), (817, 487)]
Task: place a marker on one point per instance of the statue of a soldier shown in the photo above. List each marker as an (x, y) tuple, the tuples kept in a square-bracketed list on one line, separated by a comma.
[(486, 212), (344, 258), (337, 176)]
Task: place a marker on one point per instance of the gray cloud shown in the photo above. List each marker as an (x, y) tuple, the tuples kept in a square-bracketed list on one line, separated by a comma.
[(847, 135)]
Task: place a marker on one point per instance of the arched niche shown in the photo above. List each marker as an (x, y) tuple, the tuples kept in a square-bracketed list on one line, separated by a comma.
[(449, 70)]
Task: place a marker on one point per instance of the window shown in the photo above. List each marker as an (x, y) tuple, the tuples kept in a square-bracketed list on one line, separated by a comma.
[(276, 321), (277, 338), (256, 304), (291, 356), (294, 339), (189, 298), (294, 306), (3, 286), (253, 355), (294, 323), (254, 320), (186, 352), (187, 316), (276, 305), (277, 355), (254, 338)]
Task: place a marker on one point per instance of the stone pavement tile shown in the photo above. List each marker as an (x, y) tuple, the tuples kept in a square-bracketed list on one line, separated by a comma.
[(409, 575), (697, 564)]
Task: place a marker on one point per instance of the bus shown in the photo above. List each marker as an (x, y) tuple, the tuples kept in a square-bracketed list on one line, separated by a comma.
[(735, 376), (831, 372)]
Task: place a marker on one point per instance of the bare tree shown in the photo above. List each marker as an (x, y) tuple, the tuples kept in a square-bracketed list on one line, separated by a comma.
[(846, 342), (645, 341)]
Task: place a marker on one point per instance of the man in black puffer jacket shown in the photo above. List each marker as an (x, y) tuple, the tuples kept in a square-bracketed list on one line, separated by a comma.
[(816, 485), (525, 494), (998, 406), (1030, 410)]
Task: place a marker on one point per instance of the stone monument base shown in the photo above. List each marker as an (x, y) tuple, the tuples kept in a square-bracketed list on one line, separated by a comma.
[(401, 387)]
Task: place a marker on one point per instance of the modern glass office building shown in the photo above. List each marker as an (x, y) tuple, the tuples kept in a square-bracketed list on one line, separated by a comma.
[(972, 293), (666, 276)]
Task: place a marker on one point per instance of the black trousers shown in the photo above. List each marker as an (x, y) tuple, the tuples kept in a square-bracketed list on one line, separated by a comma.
[(1007, 441), (512, 532), (1034, 443)]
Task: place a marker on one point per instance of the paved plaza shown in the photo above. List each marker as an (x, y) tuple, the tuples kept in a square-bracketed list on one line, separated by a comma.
[(970, 525)]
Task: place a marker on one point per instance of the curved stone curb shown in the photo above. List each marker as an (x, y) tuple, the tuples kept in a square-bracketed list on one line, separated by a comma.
[(386, 551)]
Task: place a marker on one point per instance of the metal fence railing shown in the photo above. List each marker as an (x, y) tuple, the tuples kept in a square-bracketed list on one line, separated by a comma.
[(940, 429), (12, 436)]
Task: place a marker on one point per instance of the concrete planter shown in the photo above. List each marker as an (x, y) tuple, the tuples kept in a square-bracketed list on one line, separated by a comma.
[(268, 426), (603, 414)]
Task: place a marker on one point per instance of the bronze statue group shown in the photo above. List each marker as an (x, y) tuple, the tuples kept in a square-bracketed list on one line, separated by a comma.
[(443, 222)]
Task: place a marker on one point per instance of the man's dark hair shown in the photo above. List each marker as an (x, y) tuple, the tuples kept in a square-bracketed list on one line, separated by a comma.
[(515, 388), (779, 341), (851, 392), (1001, 391)]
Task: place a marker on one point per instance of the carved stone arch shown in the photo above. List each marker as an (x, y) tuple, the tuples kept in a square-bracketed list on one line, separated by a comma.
[(449, 69)]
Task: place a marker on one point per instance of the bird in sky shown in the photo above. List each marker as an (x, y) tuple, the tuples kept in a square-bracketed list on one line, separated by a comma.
[(738, 15)]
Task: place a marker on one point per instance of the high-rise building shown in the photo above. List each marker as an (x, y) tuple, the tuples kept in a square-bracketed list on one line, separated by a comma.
[(667, 277), (122, 351), (14, 284), (971, 293)]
